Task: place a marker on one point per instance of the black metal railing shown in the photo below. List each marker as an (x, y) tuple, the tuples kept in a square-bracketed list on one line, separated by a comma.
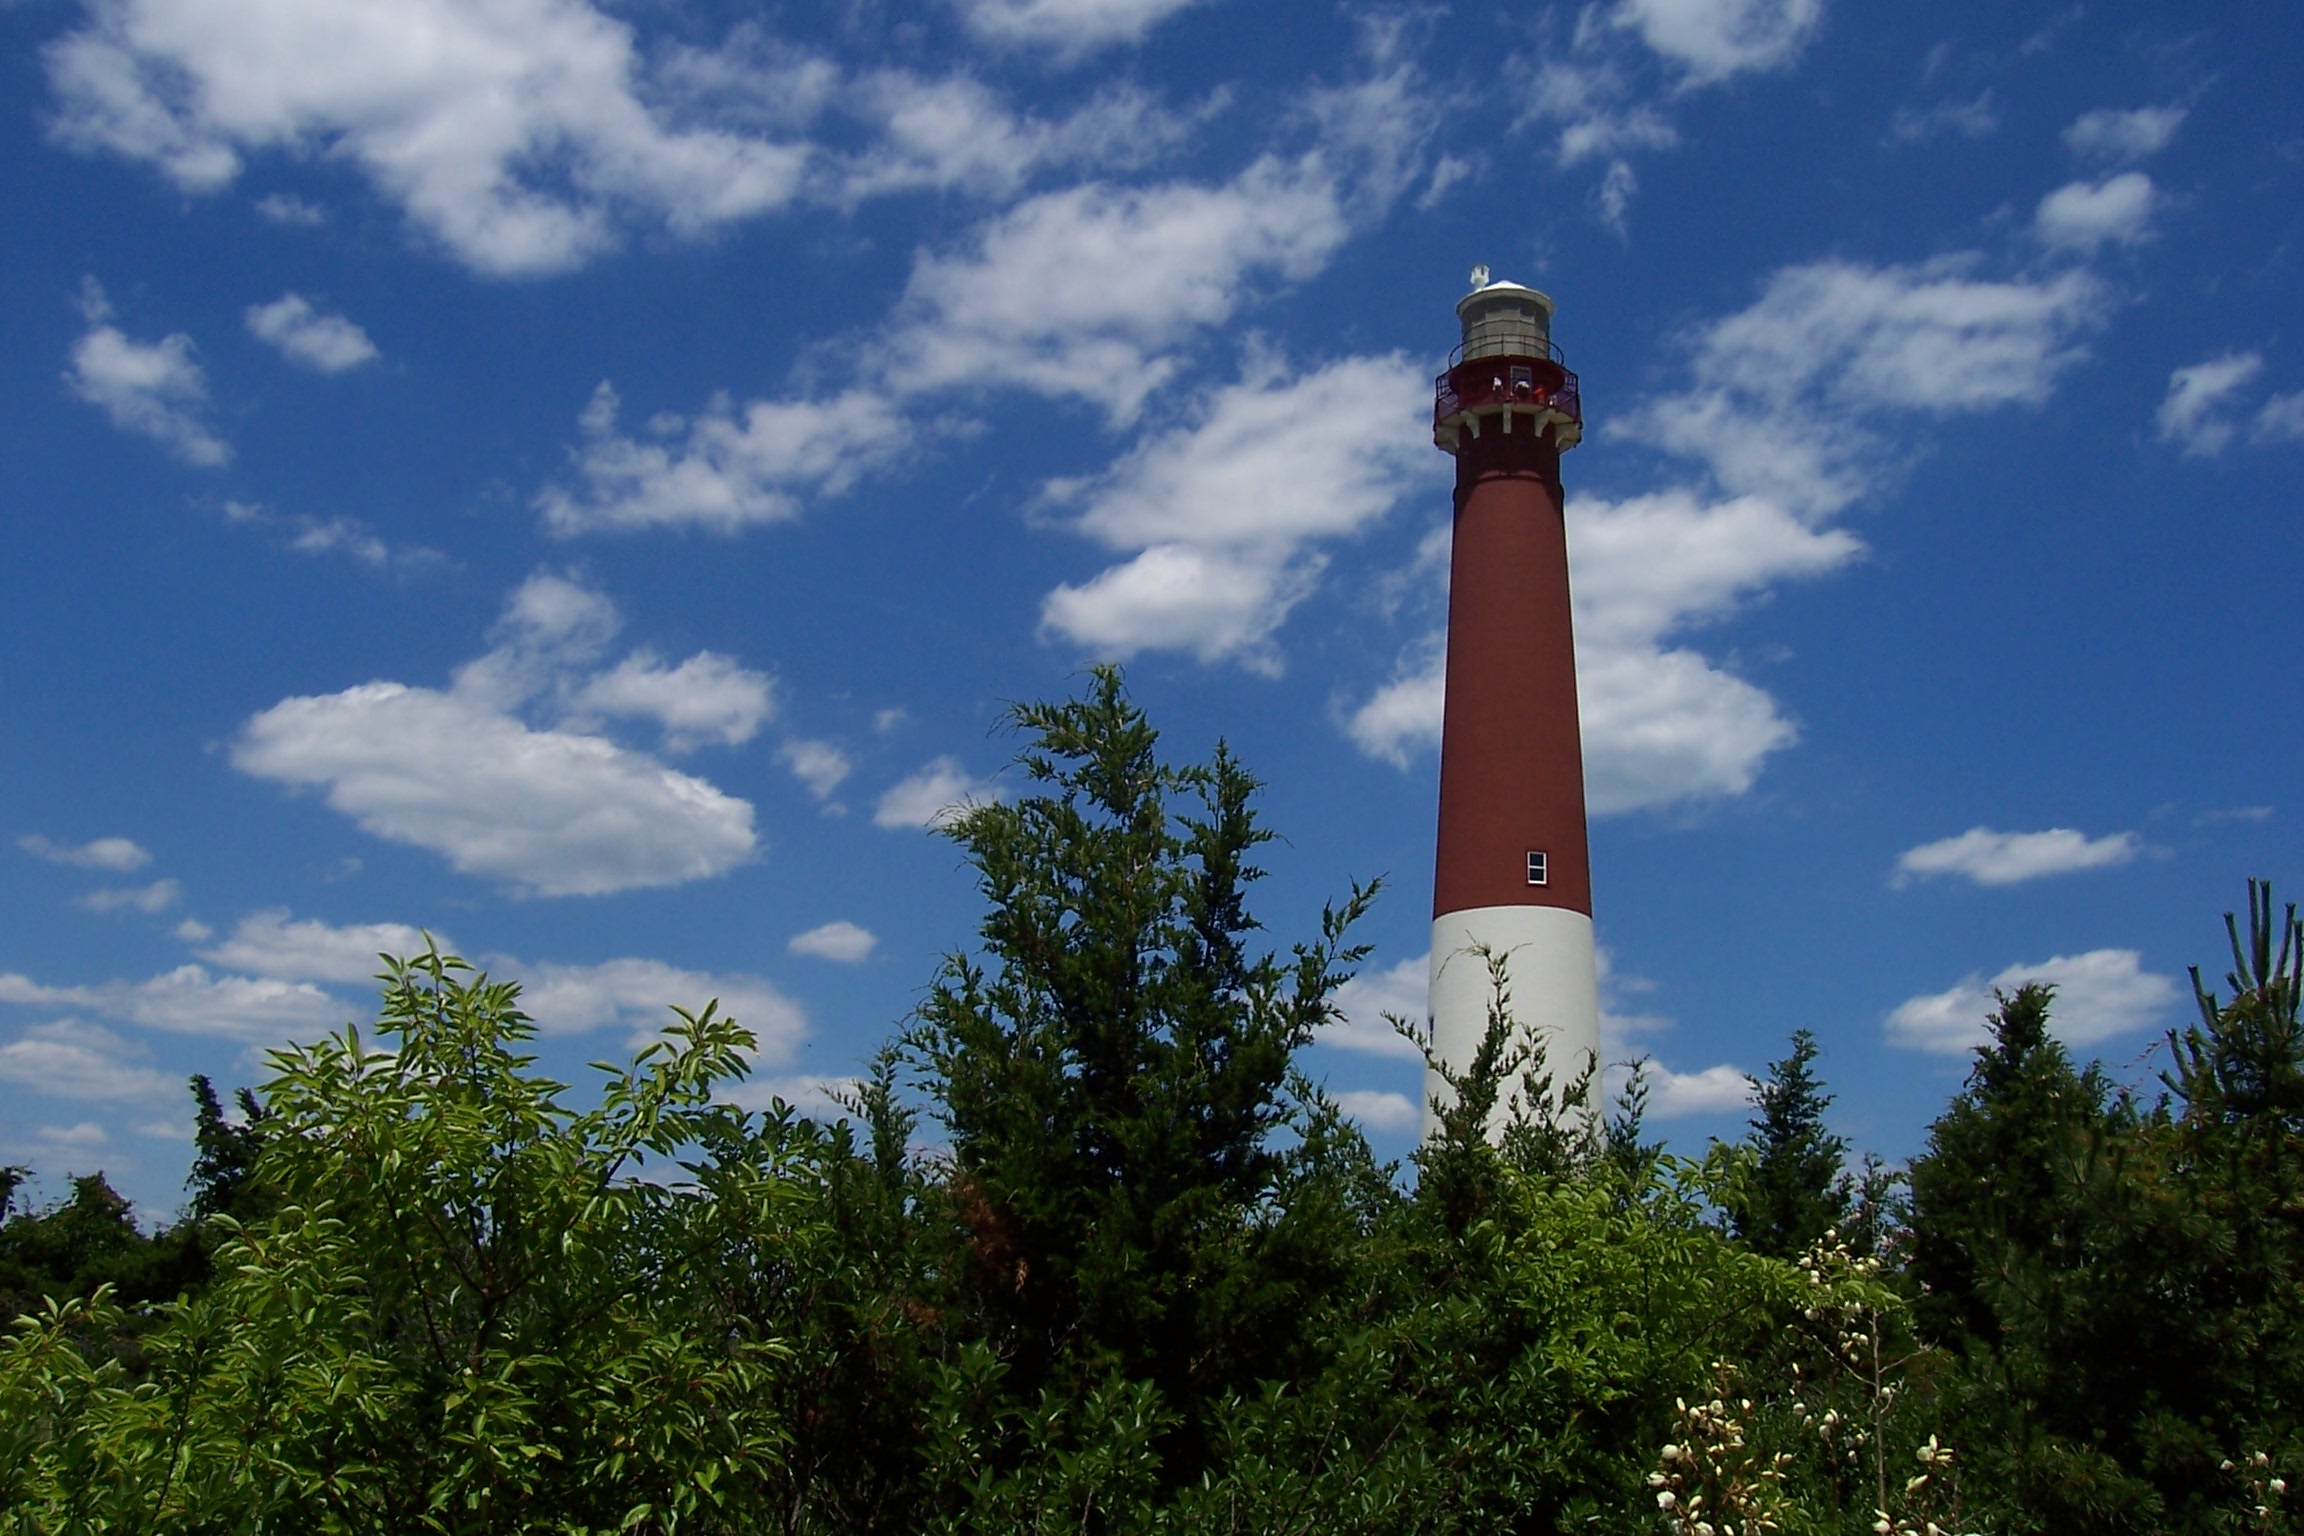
[(1506, 385)]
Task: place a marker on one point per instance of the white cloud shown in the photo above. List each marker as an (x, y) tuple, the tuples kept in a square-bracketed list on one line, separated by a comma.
[(1660, 722), (932, 797), (814, 1094), (2111, 134), (272, 943), (338, 535), (193, 931), (549, 810), (707, 698), (1711, 40), (308, 338), (2102, 993), (2281, 420), (1784, 393), (1074, 292), (153, 389), (954, 134), (1379, 1110), (72, 1060), (1672, 1095), (2193, 416), (637, 996), (2008, 858), (188, 1000), (1590, 100), (1067, 28), (1977, 119), (843, 942), (726, 469), (1359, 1023), (818, 764), (1224, 512), (283, 208), (159, 896), (116, 854), (519, 134), (2084, 216), (1615, 195)]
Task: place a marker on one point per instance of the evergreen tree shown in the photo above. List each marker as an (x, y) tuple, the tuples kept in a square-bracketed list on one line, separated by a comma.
[(1114, 1073), (1793, 1185), (224, 1154)]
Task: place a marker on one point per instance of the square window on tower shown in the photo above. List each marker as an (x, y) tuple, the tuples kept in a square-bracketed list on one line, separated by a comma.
[(1536, 871)]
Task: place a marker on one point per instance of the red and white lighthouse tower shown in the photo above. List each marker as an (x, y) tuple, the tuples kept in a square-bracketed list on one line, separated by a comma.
[(1512, 875)]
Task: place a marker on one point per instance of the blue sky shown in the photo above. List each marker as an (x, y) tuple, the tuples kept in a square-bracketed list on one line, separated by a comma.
[(585, 477)]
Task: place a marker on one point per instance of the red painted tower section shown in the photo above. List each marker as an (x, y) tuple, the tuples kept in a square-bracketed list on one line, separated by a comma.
[(1512, 873)]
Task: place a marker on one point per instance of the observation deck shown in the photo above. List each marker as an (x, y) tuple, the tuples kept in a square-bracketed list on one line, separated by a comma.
[(1506, 376)]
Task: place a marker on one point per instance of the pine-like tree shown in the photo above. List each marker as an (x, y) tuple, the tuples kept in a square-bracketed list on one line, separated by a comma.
[(1793, 1185), (1114, 1072)]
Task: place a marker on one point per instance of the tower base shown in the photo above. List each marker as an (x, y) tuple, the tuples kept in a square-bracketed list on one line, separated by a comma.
[(1551, 976)]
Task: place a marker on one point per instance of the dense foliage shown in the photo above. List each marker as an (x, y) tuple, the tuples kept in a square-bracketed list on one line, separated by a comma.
[(1089, 1254)]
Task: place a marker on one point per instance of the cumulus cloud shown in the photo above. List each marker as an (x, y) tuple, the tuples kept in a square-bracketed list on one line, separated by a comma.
[(707, 698), (519, 135), (1075, 292), (117, 854), (72, 1060), (273, 943), (1080, 293), (818, 764), (1672, 1095), (2109, 133), (1785, 395), (1379, 1109), (1067, 28), (1661, 722), (931, 797), (159, 896), (2008, 858), (2084, 216), (1710, 40), (954, 134), (308, 338), (1223, 515), (2281, 420), (1603, 91), (2195, 413), (152, 389), (636, 996), (2100, 994), (1366, 1005), (189, 1000), (819, 1096), (550, 812), (1591, 102), (726, 469), (843, 942), (547, 809)]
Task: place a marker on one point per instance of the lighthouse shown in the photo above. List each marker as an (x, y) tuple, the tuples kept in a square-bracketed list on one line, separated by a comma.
[(1512, 873)]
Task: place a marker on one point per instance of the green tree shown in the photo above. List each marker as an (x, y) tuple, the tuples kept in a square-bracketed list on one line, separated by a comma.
[(1114, 1075), (1793, 1185), (469, 1311)]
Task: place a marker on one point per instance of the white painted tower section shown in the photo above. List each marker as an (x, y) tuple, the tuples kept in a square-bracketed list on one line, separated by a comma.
[(1552, 980)]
